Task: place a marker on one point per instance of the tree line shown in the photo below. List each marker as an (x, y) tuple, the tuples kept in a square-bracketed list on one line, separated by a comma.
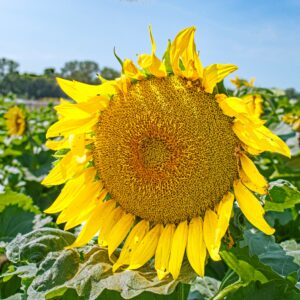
[(36, 86)]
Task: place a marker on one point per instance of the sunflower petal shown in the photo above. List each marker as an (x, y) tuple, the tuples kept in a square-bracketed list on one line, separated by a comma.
[(210, 235), (216, 73), (151, 63), (119, 232), (82, 92), (163, 251), (178, 248), (224, 214), (64, 170), (93, 224), (112, 218), (251, 208), (71, 189), (183, 49), (250, 185), (133, 240), (82, 214), (131, 71), (196, 250), (251, 171), (146, 248)]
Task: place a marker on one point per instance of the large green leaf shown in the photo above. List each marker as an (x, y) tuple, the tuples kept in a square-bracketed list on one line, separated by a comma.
[(292, 249), (269, 252), (272, 290), (17, 215), (34, 246), (87, 271), (282, 195)]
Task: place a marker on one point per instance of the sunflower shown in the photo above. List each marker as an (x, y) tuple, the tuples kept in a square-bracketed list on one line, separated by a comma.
[(238, 82), (156, 158), (15, 121)]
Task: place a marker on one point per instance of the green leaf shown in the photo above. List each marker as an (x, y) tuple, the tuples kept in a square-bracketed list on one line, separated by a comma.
[(245, 270), (34, 246), (282, 195), (21, 200), (293, 249), (87, 271), (274, 289), (269, 252), (204, 288), (15, 220)]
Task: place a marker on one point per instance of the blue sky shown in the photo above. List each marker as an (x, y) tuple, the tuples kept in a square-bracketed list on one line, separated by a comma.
[(262, 37)]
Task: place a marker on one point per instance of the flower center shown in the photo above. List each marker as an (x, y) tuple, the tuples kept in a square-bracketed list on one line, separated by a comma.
[(165, 151)]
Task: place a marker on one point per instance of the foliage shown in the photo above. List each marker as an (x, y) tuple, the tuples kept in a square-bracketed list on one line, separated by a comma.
[(33, 86), (34, 263)]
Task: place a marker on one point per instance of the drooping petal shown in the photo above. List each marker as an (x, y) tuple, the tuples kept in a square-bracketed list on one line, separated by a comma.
[(134, 238), (119, 232), (94, 223), (216, 73), (178, 248), (163, 251), (251, 171), (82, 92), (146, 248), (250, 184), (183, 50), (57, 145), (196, 250), (210, 225), (251, 208), (112, 218)]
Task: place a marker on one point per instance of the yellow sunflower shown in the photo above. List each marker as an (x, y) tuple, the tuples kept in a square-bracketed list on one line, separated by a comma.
[(238, 82), (15, 121), (156, 157)]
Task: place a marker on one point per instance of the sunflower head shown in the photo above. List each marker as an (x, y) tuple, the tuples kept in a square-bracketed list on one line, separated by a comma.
[(238, 82), (15, 121), (156, 158)]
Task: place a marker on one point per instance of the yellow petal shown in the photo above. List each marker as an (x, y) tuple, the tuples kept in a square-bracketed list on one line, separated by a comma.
[(250, 185), (251, 171), (134, 238), (110, 221), (214, 74), (232, 106), (82, 215), (224, 214), (279, 145), (183, 49), (119, 232), (251, 150), (251, 208), (210, 225), (65, 127), (146, 248), (163, 251), (178, 248), (93, 224), (131, 71), (71, 189), (196, 250), (57, 145), (82, 92), (151, 63), (64, 170)]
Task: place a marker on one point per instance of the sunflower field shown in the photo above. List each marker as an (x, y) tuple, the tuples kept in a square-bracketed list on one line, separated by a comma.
[(164, 183)]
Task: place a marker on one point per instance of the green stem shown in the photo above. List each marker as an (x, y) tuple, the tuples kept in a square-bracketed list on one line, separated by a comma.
[(230, 288)]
